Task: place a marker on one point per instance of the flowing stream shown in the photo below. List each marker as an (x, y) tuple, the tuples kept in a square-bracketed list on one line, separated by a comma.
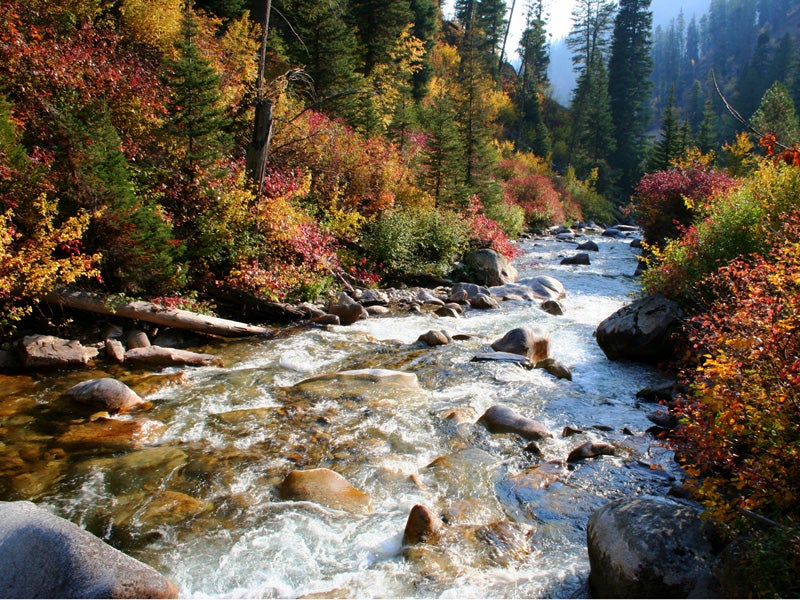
[(200, 503)]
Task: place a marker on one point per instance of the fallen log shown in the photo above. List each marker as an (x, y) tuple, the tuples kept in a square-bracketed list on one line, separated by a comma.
[(153, 313)]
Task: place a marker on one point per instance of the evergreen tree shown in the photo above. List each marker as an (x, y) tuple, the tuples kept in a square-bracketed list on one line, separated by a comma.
[(228, 9), (588, 39), (695, 105), (777, 115), (706, 136), (195, 118), (531, 83), (443, 157), (754, 79), (379, 24), (426, 28), (782, 59), (630, 88), (484, 23), (669, 146)]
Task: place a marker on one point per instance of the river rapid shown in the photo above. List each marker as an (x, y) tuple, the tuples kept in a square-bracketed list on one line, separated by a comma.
[(200, 503)]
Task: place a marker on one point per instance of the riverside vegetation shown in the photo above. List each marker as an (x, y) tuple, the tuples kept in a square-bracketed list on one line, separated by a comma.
[(123, 129)]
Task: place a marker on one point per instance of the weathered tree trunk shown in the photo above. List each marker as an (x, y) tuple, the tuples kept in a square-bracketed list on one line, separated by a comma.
[(258, 151), (250, 306), (153, 313)]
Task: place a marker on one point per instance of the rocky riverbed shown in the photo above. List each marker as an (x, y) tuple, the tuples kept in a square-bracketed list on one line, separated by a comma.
[(289, 465)]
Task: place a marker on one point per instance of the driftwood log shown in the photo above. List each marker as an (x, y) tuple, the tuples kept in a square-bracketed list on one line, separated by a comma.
[(153, 313)]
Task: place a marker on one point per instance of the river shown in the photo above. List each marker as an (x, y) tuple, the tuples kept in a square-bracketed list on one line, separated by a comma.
[(199, 502)]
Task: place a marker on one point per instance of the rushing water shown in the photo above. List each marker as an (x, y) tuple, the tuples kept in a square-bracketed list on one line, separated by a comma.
[(200, 501)]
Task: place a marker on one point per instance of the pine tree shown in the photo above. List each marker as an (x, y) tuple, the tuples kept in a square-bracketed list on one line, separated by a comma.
[(531, 83), (776, 114), (195, 119), (443, 157), (630, 88), (426, 28), (588, 39), (379, 23), (483, 22), (669, 145), (706, 134)]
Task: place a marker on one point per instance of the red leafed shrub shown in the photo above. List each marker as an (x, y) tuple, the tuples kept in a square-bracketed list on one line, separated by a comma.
[(666, 200), (740, 433), (486, 233), (538, 198)]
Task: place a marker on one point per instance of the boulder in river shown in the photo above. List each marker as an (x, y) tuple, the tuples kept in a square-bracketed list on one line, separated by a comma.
[(482, 301), (582, 258), (519, 359), (490, 268), (553, 307), (325, 487), (348, 310), (591, 450), (422, 526), (526, 341), (555, 368), (545, 287), (650, 547), (105, 394), (640, 331), (45, 556), (358, 382), (458, 291), (435, 338), (49, 352), (589, 246), (502, 419)]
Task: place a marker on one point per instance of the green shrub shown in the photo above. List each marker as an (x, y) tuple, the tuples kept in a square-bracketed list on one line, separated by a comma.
[(413, 240)]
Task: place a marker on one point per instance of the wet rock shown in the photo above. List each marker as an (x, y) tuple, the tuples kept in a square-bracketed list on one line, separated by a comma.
[(613, 232), (482, 301), (110, 434), (565, 236), (326, 319), (555, 368), (582, 258), (115, 351), (513, 290), (325, 487), (502, 419), (137, 339), (373, 297), (44, 556), (359, 381), (425, 297), (545, 287), (534, 450), (348, 310), (156, 356), (490, 268), (471, 290), (150, 510), (591, 450), (553, 307), (640, 331), (49, 352), (422, 526), (650, 547), (105, 394), (460, 415), (447, 311), (377, 310), (505, 542), (664, 419), (636, 243), (589, 246), (522, 361), (570, 431), (526, 341), (435, 338)]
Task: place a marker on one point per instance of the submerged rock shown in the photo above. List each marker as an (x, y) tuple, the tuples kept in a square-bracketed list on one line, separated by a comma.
[(325, 487), (110, 434), (44, 556), (591, 450), (555, 368), (105, 394), (359, 381), (650, 547), (519, 359), (502, 419)]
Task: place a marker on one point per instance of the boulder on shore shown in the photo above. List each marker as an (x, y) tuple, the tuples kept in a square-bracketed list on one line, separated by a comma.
[(49, 352), (490, 268), (650, 547), (45, 556), (641, 330)]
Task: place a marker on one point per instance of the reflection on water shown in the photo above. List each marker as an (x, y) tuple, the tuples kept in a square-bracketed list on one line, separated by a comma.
[(200, 502)]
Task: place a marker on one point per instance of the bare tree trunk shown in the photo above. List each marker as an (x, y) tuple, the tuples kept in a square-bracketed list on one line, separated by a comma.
[(153, 313), (505, 37), (258, 151)]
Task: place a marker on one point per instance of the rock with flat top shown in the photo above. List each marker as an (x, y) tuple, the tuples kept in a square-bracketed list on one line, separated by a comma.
[(49, 352), (325, 487)]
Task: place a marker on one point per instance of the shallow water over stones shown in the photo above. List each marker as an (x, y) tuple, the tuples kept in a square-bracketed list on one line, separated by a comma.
[(198, 498)]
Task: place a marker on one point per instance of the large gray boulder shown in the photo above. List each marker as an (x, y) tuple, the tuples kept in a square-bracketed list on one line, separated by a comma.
[(650, 547), (640, 331), (490, 268), (45, 556)]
